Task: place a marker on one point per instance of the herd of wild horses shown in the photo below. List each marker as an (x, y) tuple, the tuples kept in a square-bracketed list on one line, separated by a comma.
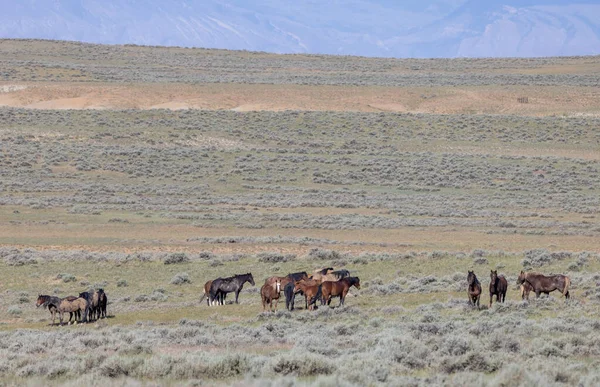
[(322, 285), (529, 281), (91, 304)]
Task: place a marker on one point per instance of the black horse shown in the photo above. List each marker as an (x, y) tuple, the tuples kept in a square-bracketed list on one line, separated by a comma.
[(102, 302), (221, 286), (288, 290)]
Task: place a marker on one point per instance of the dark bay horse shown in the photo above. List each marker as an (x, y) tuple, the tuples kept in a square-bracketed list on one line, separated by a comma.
[(498, 286), (339, 289), (540, 283), (270, 292), (228, 285), (474, 289), (288, 288), (102, 302), (52, 303)]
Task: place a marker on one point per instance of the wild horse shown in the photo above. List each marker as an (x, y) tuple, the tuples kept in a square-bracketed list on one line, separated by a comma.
[(474, 289), (222, 286), (71, 306), (270, 292), (498, 286), (52, 303), (338, 289), (540, 283), (220, 297), (311, 290)]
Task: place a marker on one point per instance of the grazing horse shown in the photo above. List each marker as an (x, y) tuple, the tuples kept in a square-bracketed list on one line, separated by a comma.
[(474, 289), (270, 292), (311, 290), (526, 288), (540, 283), (498, 286), (230, 284), (339, 289), (78, 304)]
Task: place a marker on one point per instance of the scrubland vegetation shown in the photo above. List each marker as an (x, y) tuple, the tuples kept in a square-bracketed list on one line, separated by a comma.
[(149, 205)]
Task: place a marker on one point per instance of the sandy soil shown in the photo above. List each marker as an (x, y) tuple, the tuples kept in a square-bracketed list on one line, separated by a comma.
[(249, 97)]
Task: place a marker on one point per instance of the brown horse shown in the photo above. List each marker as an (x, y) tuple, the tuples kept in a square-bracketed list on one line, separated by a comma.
[(270, 292), (206, 292), (498, 286), (78, 304), (540, 283), (339, 289), (474, 289), (526, 288), (311, 290)]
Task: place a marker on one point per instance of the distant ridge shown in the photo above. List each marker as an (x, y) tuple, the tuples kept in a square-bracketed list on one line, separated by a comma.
[(441, 28)]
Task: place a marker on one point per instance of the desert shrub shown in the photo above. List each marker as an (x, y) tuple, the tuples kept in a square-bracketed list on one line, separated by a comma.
[(323, 254), (176, 258), (180, 279), (66, 277), (122, 283), (14, 310), (275, 257), (303, 365)]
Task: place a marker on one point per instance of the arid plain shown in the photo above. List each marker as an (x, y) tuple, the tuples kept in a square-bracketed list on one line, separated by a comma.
[(147, 171)]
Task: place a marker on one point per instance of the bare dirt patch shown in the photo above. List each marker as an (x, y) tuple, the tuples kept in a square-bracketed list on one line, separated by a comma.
[(255, 97)]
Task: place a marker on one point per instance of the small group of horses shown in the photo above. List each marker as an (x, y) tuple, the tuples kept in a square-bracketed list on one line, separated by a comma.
[(528, 281), (322, 285), (91, 304)]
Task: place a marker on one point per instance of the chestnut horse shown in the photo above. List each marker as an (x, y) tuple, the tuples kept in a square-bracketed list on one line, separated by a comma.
[(311, 290), (498, 286), (474, 289), (339, 289), (270, 292)]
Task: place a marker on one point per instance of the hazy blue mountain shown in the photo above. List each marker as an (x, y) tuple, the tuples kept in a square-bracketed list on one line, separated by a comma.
[(438, 28)]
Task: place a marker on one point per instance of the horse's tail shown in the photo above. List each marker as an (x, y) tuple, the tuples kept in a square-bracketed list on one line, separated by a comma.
[(565, 291), (317, 296), (202, 297)]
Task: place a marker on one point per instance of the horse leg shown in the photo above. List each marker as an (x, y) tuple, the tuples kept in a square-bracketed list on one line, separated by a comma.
[(492, 298)]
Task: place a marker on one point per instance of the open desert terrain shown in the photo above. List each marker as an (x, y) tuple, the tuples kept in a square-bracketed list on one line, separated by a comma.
[(147, 171)]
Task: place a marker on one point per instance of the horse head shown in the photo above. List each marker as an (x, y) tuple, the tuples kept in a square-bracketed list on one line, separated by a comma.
[(522, 277), (472, 278), (356, 282), (493, 276), (40, 301), (250, 278)]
